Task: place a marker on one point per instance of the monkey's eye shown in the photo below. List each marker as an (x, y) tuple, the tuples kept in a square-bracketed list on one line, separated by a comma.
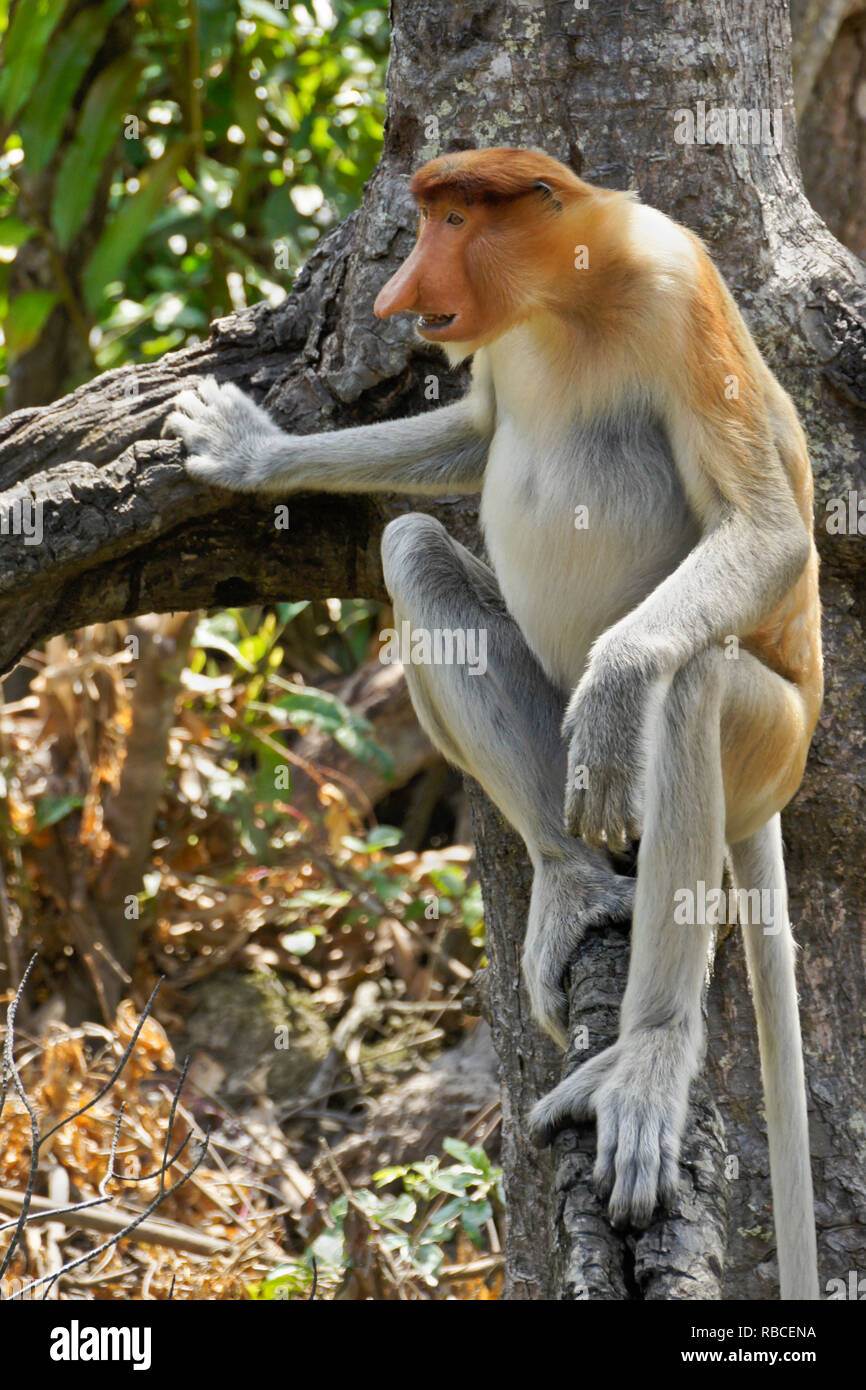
[(454, 219)]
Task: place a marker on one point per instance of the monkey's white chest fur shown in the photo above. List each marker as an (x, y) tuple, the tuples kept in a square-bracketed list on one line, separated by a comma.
[(582, 527)]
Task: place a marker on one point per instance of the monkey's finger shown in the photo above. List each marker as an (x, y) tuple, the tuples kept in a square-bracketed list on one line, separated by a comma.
[(210, 389), (189, 420), (590, 819), (633, 1199), (553, 1112), (592, 830), (604, 1173), (644, 1178), (191, 401), (180, 426), (669, 1169), (223, 394), (613, 815), (617, 839), (205, 469)]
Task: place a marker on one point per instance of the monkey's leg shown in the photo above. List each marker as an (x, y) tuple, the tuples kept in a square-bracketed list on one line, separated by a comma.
[(770, 954), (719, 765), (502, 726)]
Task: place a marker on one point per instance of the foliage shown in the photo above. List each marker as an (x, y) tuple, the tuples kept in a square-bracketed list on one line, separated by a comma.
[(178, 159), (265, 706), (417, 1211)]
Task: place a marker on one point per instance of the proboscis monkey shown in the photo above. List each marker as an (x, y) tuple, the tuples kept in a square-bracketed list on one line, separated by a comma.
[(651, 615)]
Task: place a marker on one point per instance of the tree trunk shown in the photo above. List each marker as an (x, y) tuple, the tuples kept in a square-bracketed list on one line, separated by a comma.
[(127, 532), (831, 134)]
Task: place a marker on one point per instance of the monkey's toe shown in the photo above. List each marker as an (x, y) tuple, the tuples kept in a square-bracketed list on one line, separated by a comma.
[(571, 1102)]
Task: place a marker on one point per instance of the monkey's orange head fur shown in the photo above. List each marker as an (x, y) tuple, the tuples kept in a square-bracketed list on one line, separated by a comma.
[(490, 237)]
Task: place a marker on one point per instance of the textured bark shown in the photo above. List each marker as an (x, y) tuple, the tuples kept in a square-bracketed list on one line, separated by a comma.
[(126, 532)]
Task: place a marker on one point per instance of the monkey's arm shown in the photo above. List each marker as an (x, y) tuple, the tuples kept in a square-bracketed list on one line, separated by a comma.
[(745, 564), (737, 574), (234, 443)]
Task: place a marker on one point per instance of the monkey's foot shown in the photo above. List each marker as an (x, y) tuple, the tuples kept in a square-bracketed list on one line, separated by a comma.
[(637, 1091), (228, 437), (566, 900)]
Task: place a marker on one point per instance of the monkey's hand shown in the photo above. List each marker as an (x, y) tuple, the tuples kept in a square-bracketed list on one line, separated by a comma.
[(603, 726), (231, 442), (637, 1091)]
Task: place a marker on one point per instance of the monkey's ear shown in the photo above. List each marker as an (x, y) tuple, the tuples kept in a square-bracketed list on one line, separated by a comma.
[(547, 193)]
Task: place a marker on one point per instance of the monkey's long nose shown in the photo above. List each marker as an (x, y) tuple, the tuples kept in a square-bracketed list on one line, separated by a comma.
[(400, 292)]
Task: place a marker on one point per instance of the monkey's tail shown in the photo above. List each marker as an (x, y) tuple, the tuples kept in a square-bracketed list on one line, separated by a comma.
[(771, 955)]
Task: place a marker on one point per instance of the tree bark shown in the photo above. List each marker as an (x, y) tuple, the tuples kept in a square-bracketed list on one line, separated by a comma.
[(126, 532)]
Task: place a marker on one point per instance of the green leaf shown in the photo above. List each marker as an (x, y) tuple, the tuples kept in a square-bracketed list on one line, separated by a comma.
[(26, 319), (384, 836), (465, 1153), (287, 611), (317, 704), (67, 61), (265, 781), (354, 741), (451, 882), (14, 232), (291, 1279), (472, 907), (208, 635), (428, 1260), (32, 25), (383, 1176), (131, 223), (51, 809), (304, 705), (401, 1208), (474, 1218), (99, 127)]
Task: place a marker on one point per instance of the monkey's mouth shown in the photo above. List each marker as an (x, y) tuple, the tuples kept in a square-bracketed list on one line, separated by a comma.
[(434, 323)]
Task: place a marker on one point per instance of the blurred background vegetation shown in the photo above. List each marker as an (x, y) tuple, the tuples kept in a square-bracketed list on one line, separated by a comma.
[(243, 802), (170, 162)]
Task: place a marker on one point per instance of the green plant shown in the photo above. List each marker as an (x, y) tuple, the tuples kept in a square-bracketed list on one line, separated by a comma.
[(177, 160), (425, 1206)]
